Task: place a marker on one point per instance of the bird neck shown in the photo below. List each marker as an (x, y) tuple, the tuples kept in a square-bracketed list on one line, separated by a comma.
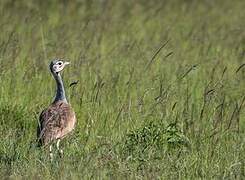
[(60, 91)]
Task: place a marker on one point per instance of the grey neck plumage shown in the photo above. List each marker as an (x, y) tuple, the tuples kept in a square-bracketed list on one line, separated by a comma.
[(60, 91)]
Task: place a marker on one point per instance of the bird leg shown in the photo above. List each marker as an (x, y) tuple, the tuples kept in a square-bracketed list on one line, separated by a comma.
[(58, 148), (50, 153)]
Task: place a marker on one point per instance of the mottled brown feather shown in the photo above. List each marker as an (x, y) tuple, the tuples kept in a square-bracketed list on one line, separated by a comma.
[(55, 122)]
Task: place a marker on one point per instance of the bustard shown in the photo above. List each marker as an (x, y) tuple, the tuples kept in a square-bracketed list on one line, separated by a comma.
[(58, 119)]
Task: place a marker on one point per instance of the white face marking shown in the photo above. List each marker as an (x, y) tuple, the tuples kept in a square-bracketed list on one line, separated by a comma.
[(58, 66)]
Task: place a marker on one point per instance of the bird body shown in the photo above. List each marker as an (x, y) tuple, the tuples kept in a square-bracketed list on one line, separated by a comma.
[(56, 122), (59, 119)]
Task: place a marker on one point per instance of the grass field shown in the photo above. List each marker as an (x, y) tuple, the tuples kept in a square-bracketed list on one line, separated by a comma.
[(161, 91)]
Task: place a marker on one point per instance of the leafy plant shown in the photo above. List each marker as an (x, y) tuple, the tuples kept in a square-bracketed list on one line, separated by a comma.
[(153, 140)]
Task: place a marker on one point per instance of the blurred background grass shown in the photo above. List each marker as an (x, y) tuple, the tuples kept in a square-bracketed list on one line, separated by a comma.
[(142, 113)]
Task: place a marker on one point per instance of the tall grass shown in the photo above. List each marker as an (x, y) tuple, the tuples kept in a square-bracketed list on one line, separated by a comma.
[(160, 90)]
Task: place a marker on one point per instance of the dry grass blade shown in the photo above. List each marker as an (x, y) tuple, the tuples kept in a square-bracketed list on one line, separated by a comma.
[(155, 54), (188, 71), (240, 67), (73, 83)]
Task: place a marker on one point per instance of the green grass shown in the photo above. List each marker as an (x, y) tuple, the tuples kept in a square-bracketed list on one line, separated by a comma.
[(143, 112)]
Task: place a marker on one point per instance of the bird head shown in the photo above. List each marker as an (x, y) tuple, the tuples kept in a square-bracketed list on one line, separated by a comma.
[(57, 65)]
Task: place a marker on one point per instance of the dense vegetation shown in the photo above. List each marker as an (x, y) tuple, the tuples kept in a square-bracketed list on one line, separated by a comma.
[(160, 93)]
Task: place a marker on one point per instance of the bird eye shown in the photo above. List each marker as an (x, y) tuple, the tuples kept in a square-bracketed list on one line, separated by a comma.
[(59, 63)]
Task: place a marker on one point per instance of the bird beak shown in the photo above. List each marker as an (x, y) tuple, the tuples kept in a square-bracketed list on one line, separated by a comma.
[(66, 63)]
